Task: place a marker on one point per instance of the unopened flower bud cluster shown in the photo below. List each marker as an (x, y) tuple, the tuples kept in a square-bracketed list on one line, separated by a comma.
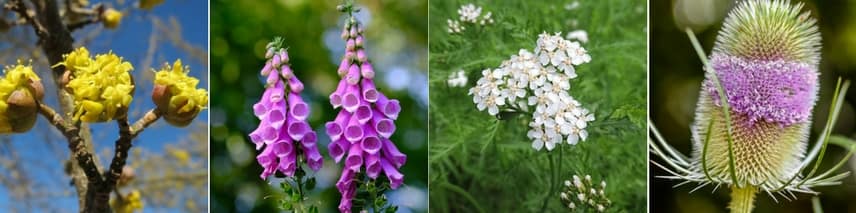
[(583, 193), (540, 79), (469, 13)]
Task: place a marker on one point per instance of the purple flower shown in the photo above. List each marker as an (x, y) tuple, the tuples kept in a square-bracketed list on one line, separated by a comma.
[(775, 91), (283, 134), (361, 131)]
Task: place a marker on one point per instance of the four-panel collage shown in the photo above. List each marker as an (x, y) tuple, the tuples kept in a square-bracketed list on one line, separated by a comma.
[(316, 106)]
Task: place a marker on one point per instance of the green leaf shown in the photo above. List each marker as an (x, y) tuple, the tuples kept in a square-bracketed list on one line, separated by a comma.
[(286, 187), (286, 206), (310, 183)]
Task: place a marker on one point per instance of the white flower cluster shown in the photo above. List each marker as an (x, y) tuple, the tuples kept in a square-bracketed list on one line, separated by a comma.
[(457, 79), (469, 14), (584, 192), (572, 6), (579, 35), (541, 80)]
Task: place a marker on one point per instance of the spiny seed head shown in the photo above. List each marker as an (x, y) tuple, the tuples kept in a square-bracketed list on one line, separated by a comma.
[(764, 152), (766, 59), (770, 30)]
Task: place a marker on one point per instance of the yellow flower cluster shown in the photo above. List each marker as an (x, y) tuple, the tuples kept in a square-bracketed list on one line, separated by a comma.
[(181, 155), (111, 18), (176, 95), (149, 4), (102, 87), (133, 201), (20, 90)]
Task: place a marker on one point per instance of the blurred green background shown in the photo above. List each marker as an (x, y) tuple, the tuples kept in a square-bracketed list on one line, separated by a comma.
[(396, 39), (481, 164), (676, 74)]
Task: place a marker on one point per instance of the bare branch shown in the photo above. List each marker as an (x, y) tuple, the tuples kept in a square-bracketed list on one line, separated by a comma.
[(75, 143), (126, 134)]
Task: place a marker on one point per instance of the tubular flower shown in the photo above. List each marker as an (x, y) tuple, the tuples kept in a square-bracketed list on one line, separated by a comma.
[(283, 133), (20, 91), (361, 131), (176, 95), (101, 87), (541, 80), (765, 67), (111, 18)]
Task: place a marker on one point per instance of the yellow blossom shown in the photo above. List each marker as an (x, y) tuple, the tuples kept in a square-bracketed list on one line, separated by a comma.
[(183, 156), (176, 94), (111, 18), (132, 201), (20, 90), (149, 4), (102, 88), (76, 59)]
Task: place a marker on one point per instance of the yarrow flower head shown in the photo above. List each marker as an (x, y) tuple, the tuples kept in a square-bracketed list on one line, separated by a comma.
[(102, 87), (457, 79), (176, 95), (362, 129), (583, 193), (579, 35), (20, 91), (284, 135), (542, 80), (471, 14)]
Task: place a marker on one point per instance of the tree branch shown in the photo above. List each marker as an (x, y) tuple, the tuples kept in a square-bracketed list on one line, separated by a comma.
[(75, 143), (19, 7), (126, 134)]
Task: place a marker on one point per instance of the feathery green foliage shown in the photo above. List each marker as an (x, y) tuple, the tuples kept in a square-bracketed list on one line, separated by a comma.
[(479, 163)]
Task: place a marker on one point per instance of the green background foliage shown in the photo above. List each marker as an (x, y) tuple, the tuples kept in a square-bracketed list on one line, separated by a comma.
[(396, 35), (676, 75), (480, 163)]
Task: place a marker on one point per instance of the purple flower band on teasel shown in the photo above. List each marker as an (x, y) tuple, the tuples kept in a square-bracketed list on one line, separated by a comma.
[(776, 91)]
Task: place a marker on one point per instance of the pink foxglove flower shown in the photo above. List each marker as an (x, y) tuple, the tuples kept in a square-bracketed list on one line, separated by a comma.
[(360, 132), (283, 134)]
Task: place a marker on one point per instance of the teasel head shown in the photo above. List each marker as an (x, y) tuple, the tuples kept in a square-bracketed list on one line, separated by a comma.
[(755, 106), (766, 59)]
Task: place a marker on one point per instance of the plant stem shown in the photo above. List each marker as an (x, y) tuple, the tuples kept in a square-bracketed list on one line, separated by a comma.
[(551, 184), (742, 199)]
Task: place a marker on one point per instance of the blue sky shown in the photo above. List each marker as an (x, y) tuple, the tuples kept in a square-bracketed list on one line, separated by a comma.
[(130, 41)]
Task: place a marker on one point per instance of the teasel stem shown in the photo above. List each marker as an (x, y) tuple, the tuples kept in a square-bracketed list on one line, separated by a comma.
[(723, 98), (742, 199)]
